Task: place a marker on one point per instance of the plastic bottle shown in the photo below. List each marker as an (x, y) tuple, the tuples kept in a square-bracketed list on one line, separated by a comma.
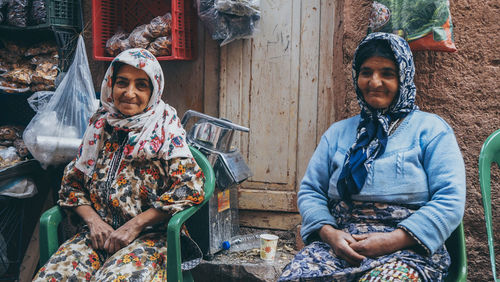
[(242, 242)]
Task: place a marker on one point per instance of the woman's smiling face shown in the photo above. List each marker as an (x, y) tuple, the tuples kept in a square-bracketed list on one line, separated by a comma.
[(131, 90), (378, 81)]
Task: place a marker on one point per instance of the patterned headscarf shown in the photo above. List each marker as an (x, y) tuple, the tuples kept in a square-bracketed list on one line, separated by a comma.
[(375, 124), (156, 133)]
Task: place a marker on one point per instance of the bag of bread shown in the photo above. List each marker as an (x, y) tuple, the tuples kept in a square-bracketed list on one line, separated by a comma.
[(117, 43), (160, 26), (140, 37), (162, 46)]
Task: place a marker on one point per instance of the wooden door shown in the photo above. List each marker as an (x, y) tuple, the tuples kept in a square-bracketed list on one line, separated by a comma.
[(279, 85)]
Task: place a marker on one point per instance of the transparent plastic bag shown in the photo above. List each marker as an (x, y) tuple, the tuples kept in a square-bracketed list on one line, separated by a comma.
[(160, 26), (425, 24), (229, 20), (54, 134), (162, 46), (39, 100), (238, 7), (140, 37), (118, 42)]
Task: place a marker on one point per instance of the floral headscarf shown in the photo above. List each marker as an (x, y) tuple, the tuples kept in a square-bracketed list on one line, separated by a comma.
[(156, 133), (375, 124)]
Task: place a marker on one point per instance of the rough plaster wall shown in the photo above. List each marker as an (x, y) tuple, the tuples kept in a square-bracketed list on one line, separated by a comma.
[(462, 88)]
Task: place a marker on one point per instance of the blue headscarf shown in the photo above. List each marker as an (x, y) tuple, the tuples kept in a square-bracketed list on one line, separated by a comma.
[(373, 128)]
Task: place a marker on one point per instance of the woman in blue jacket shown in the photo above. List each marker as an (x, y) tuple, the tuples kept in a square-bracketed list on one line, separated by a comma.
[(384, 189)]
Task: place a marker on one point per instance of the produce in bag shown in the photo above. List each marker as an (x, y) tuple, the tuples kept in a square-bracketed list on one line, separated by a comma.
[(54, 134), (38, 12), (229, 20), (160, 26), (140, 37), (162, 46), (425, 24), (17, 13), (3, 5), (118, 42)]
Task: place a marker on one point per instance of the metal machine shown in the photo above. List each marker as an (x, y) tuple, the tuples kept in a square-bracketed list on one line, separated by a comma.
[(217, 221)]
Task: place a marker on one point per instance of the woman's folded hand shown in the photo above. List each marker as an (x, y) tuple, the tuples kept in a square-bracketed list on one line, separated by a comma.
[(340, 242), (377, 244), (122, 236)]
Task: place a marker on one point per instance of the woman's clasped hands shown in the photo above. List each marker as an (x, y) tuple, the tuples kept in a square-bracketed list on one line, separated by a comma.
[(355, 248)]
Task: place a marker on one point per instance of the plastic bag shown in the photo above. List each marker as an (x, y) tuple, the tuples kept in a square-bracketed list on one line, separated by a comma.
[(118, 42), (3, 4), (39, 100), (140, 37), (229, 20), (54, 134), (17, 12), (160, 26), (20, 188), (162, 46), (38, 12), (425, 24), (238, 7)]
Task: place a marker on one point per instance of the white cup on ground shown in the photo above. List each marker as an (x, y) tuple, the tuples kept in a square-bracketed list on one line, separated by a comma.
[(268, 246)]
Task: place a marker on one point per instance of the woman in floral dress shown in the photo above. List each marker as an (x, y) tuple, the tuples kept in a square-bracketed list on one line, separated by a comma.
[(134, 170)]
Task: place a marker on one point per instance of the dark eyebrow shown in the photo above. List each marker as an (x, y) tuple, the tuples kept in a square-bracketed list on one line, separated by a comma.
[(121, 77), (389, 69)]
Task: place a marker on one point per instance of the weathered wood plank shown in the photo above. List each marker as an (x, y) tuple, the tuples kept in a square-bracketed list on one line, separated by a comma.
[(326, 109), (212, 75), (308, 97), (267, 200), (269, 220), (270, 94)]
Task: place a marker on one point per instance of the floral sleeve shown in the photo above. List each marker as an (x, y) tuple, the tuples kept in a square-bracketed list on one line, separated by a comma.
[(72, 192), (184, 186)]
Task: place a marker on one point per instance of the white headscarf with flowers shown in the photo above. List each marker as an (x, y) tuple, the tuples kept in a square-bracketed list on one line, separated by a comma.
[(156, 133)]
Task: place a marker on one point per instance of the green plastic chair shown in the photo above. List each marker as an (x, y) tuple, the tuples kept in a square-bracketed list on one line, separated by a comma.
[(490, 152), (50, 220), (456, 247)]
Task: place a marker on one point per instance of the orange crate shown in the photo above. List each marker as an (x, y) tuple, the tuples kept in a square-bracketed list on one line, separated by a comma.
[(107, 15)]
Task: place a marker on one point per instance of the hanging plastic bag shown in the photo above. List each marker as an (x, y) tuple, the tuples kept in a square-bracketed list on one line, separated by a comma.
[(425, 24), (229, 20), (54, 134), (39, 100)]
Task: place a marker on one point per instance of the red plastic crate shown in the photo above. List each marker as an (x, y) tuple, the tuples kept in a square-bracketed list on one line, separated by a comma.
[(107, 15)]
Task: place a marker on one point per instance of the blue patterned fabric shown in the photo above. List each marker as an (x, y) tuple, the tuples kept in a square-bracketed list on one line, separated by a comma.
[(373, 128), (318, 262)]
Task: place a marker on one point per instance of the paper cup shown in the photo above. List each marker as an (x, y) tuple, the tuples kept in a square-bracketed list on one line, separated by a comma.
[(268, 245)]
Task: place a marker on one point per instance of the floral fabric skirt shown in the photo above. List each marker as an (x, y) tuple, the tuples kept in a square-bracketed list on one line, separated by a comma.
[(317, 261), (145, 259)]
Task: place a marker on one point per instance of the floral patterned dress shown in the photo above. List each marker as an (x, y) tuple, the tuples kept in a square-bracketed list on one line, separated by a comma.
[(119, 190)]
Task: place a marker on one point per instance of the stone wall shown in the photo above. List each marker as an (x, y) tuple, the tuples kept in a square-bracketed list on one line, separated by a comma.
[(461, 87)]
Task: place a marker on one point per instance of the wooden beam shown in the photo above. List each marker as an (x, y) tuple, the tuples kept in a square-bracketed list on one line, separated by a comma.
[(269, 220), (267, 200)]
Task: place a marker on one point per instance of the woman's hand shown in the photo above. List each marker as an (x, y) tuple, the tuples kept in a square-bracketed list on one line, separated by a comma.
[(377, 244), (340, 242), (99, 233), (99, 230), (122, 236), (128, 232)]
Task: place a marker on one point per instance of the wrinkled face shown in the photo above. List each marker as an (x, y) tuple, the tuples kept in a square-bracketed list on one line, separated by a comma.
[(131, 90), (378, 81)]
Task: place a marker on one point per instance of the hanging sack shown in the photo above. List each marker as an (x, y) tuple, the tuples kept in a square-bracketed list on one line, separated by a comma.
[(425, 24), (54, 134)]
